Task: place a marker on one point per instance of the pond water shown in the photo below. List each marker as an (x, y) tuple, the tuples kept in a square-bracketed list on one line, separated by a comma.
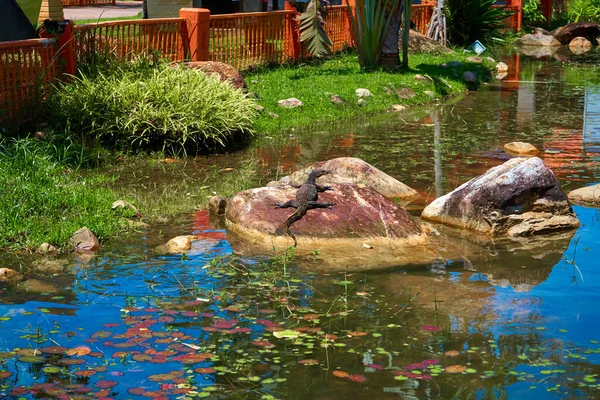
[(516, 321)]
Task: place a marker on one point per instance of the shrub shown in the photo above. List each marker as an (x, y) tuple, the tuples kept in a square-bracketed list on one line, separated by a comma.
[(161, 107), (470, 20), (583, 11), (532, 13)]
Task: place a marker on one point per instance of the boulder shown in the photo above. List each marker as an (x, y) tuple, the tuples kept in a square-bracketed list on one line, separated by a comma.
[(586, 195), (521, 197), (180, 244), (520, 149), (225, 72), (350, 170), (501, 67), (85, 240), (580, 42), (566, 33), (360, 215), (361, 92), (8, 275), (290, 103), (538, 39)]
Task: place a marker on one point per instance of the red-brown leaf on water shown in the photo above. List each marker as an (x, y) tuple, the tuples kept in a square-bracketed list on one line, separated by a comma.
[(85, 373), (102, 394), (431, 361), (356, 334), (340, 374), (106, 384), (192, 358), (5, 374), (72, 361), (308, 362), (330, 336), (205, 370), (430, 328), (310, 317), (54, 350), (166, 319), (111, 325), (141, 357), (262, 343), (79, 351), (189, 314), (375, 366), (136, 391), (357, 378), (101, 335)]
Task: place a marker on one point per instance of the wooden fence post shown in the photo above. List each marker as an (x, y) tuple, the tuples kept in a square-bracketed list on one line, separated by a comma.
[(296, 49), (198, 22), (65, 37), (352, 5)]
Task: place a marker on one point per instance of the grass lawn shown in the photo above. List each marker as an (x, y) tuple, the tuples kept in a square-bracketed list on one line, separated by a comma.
[(316, 82), (95, 21)]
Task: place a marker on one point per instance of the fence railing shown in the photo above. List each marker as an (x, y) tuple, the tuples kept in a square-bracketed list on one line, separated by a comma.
[(249, 39), (337, 26), (512, 22), (164, 38), (27, 68), (88, 2), (421, 16)]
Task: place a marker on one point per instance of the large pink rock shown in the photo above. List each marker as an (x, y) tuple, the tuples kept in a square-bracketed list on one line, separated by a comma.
[(362, 223)]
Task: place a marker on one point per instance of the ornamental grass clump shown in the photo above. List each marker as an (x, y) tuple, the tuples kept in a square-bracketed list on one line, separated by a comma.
[(166, 108)]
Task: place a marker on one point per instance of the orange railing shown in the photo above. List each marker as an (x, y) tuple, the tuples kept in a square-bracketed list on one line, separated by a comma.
[(512, 22), (88, 2), (164, 38), (421, 16), (337, 26), (243, 40), (26, 69)]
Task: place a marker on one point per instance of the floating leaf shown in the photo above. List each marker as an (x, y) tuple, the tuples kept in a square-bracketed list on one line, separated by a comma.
[(105, 384), (205, 370), (340, 374), (5, 374), (54, 350), (430, 328), (289, 334), (31, 359), (51, 369), (456, 369), (308, 362), (79, 351), (357, 378)]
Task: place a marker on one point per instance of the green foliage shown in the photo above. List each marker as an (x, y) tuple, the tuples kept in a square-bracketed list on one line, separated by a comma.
[(45, 200), (470, 20), (370, 26), (312, 32), (141, 106), (583, 11), (532, 12)]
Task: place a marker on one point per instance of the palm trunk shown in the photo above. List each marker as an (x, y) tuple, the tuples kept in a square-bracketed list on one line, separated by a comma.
[(406, 32), (390, 57)]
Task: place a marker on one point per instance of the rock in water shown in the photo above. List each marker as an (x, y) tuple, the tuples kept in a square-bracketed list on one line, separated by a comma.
[(360, 214), (538, 39), (351, 170), (520, 148), (521, 197), (587, 195), (180, 244), (85, 240), (8, 275)]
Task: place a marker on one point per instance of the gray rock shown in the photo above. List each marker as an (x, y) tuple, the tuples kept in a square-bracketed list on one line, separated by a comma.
[(47, 248), (123, 205), (339, 100), (444, 65), (260, 108), (429, 93), (521, 197), (363, 93), (405, 93), (586, 195), (49, 267), (475, 60), (470, 77), (501, 67), (398, 107), (217, 205), (8, 275), (419, 77), (290, 103), (85, 240), (537, 39), (273, 115), (362, 102), (490, 59), (580, 42)]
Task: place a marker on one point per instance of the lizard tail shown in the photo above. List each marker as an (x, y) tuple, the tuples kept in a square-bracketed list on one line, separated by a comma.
[(291, 234)]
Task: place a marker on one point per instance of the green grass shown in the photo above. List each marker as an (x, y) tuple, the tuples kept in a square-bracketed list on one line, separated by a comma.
[(45, 199), (95, 21), (315, 83), (138, 106)]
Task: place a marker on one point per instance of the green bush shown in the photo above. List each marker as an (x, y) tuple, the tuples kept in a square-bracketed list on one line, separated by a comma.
[(532, 13), (157, 107), (44, 199), (471, 20), (583, 11)]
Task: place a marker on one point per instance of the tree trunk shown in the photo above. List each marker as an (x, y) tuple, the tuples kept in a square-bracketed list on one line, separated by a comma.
[(406, 32), (390, 57)]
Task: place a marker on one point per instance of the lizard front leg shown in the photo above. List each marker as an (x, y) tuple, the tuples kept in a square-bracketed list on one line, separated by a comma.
[(287, 204), (319, 204)]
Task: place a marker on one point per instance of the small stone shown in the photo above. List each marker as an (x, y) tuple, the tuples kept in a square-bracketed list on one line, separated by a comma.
[(8, 275), (405, 93), (454, 64), (49, 267), (388, 90), (490, 59), (444, 65), (362, 102), (470, 77), (84, 239), (339, 100), (580, 42), (420, 77), (588, 195), (476, 60), (253, 95), (398, 107), (37, 286), (123, 205), (47, 248), (520, 149), (501, 68), (290, 103), (136, 224), (260, 108), (273, 115), (217, 205), (429, 93), (180, 244), (363, 93)]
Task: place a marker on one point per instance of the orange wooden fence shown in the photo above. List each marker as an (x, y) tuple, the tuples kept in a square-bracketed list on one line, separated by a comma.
[(88, 2), (337, 26), (249, 39), (164, 38), (513, 22), (26, 69), (421, 16)]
